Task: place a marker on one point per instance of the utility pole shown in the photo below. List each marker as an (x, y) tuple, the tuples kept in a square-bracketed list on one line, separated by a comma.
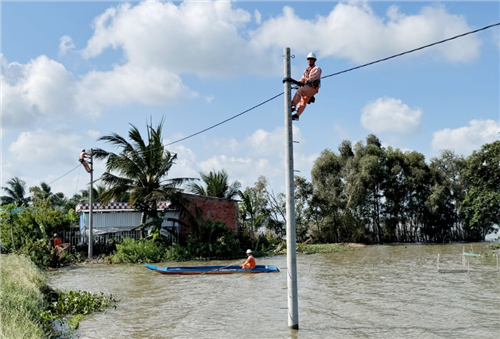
[(291, 255), (91, 202)]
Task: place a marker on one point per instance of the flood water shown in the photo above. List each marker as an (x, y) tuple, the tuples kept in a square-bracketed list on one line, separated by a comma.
[(371, 292)]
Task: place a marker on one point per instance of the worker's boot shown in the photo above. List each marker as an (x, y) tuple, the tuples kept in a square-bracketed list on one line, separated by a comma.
[(295, 117)]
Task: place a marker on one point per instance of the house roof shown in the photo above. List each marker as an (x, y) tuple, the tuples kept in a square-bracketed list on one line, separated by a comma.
[(114, 206)]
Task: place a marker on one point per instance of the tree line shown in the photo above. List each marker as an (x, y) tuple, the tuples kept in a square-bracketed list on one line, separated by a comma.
[(363, 193), (371, 194)]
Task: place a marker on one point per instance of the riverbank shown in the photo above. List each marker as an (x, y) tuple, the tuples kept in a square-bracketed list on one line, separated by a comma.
[(30, 308), (22, 300)]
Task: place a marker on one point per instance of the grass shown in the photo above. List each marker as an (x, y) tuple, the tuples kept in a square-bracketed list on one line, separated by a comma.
[(322, 248), (21, 299)]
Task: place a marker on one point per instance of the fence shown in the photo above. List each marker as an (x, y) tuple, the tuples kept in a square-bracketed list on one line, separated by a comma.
[(74, 237)]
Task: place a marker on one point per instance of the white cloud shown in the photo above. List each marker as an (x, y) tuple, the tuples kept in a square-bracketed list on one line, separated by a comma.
[(209, 98), (466, 139), (390, 115), (65, 44), (162, 40), (353, 31), (128, 84), (40, 88), (46, 148), (193, 37), (258, 17), (261, 153), (93, 134), (43, 88)]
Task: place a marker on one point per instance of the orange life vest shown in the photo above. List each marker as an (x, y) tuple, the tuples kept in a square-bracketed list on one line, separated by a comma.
[(249, 263)]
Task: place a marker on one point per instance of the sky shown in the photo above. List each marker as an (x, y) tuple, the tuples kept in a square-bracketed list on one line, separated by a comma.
[(73, 72)]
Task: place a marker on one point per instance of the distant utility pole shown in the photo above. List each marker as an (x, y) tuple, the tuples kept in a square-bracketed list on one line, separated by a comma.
[(91, 202), (291, 255)]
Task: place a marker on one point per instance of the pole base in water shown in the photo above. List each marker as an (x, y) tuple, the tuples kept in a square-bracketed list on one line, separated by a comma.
[(295, 327)]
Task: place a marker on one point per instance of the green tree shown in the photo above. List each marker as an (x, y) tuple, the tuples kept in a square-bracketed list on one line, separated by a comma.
[(482, 202), (448, 193), (141, 169), (15, 193), (44, 191), (216, 185)]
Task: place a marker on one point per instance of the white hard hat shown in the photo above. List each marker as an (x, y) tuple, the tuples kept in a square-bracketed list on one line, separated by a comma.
[(55, 234), (312, 56), (249, 251)]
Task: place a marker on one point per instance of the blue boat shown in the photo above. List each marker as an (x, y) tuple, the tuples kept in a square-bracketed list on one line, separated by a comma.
[(212, 269)]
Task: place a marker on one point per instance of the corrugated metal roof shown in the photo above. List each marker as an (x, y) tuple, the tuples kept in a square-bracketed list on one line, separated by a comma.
[(114, 206)]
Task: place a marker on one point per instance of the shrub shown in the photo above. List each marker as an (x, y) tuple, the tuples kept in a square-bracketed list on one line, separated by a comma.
[(215, 241), (178, 253), (140, 251)]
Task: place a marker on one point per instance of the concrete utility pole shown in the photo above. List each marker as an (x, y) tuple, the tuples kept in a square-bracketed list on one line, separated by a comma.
[(291, 255), (91, 202)]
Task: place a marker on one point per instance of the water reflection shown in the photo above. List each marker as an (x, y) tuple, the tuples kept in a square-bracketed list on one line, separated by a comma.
[(372, 292)]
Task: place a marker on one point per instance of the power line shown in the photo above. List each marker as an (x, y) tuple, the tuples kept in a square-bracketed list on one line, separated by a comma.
[(326, 76), (344, 71), (222, 122), (411, 51), (64, 175)]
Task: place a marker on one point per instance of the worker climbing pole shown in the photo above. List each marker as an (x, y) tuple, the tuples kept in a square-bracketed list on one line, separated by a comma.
[(309, 86)]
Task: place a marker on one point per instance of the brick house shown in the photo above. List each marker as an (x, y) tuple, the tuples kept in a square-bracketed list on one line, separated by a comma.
[(120, 217), (216, 209)]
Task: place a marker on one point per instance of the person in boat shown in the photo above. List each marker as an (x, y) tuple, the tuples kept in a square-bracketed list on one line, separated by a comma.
[(83, 156), (308, 86), (250, 262)]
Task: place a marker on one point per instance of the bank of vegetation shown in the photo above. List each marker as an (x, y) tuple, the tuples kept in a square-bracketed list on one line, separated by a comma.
[(361, 193), (30, 308)]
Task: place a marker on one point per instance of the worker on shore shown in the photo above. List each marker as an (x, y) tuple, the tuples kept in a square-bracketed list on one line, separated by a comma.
[(309, 86), (83, 156), (57, 240), (250, 262)]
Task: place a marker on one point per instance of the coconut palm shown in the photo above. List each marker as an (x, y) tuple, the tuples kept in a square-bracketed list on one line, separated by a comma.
[(15, 193), (44, 191), (216, 185), (141, 169)]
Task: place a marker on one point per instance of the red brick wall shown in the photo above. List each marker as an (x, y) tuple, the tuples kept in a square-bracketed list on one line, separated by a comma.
[(215, 209)]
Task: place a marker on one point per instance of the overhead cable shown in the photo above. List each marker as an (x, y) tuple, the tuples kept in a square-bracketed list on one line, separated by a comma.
[(64, 175), (326, 76), (411, 51), (337, 73), (222, 122)]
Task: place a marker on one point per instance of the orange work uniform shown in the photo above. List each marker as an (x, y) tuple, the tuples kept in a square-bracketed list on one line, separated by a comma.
[(249, 263), (311, 78), (84, 155), (57, 241)]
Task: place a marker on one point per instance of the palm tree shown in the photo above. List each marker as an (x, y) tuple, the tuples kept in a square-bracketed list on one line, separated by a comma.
[(44, 191), (15, 193), (217, 185), (251, 210), (141, 169)]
